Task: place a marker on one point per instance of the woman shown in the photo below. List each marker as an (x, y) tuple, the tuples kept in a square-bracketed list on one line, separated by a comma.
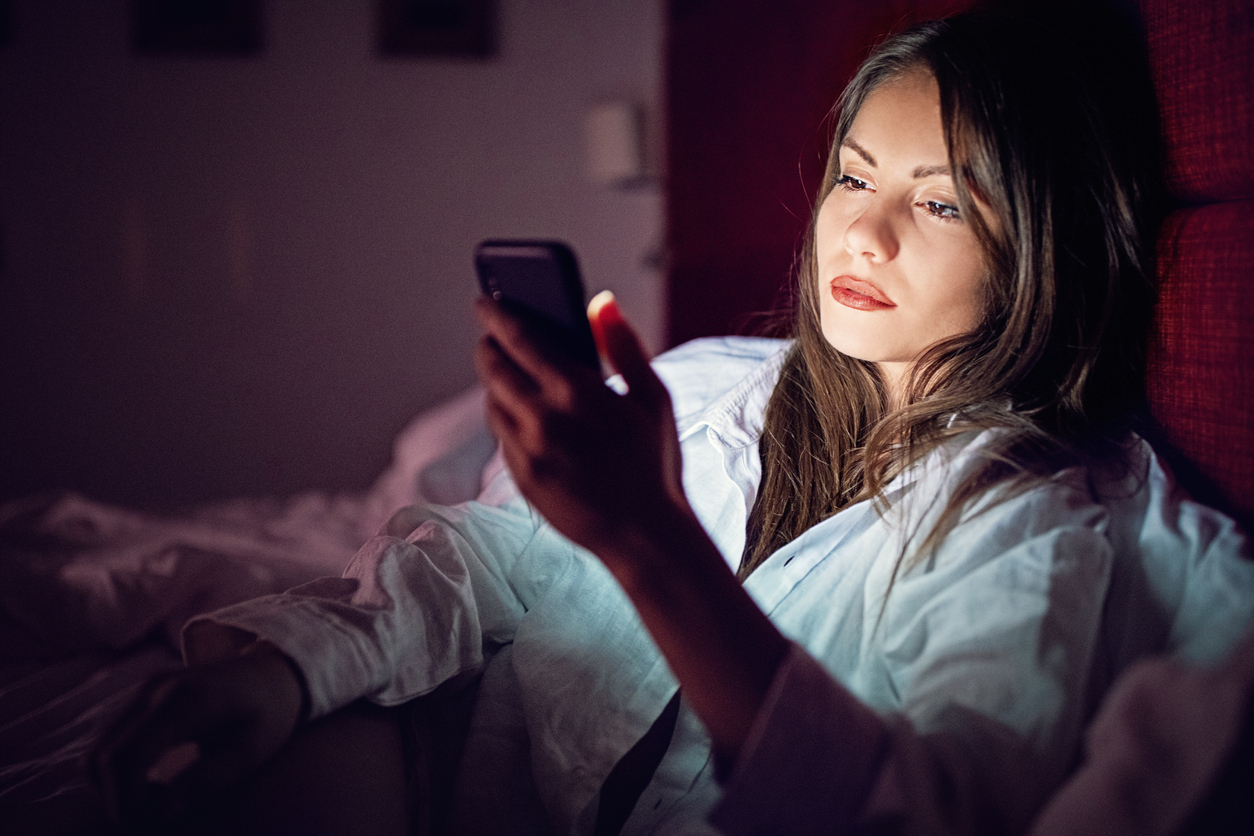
[(890, 564)]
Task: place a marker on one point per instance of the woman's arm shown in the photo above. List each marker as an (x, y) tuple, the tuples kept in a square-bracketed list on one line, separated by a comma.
[(413, 613), (719, 645), (605, 469)]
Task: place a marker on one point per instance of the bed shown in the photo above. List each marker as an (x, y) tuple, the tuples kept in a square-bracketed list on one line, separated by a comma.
[(92, 597)]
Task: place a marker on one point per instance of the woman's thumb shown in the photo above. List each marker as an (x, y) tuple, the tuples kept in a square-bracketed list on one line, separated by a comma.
[(617, 342)]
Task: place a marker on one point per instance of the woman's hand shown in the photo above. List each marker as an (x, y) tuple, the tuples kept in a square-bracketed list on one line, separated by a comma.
[(600, 466), (197, 731), (605, 470)]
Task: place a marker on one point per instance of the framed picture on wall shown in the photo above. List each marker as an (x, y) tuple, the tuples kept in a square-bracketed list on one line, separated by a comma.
[(204, 27), (437, 27), (6, 23)]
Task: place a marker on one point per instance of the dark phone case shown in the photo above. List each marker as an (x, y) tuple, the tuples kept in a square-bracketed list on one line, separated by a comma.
[(542, 279)]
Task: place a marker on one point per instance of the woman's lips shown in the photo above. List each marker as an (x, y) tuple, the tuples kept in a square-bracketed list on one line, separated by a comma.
[(859, 295)]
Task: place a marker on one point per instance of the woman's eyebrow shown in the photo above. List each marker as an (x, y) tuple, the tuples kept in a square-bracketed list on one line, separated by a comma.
[(919, 173), (859, 150), (929, 171)]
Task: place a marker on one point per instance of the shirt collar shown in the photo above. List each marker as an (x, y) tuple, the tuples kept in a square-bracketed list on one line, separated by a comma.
[(736, 417)]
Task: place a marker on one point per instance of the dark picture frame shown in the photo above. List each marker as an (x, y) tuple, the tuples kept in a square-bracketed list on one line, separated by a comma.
[(196, 27), (437, 27), (6, 23)]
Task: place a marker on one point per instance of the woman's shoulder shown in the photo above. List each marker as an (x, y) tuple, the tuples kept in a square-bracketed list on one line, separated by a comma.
[(1193, 562), (700, 372), (1181, 571), (1004, 511)]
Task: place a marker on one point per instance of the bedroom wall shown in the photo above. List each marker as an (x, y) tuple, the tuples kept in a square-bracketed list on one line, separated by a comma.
[(225, 276)]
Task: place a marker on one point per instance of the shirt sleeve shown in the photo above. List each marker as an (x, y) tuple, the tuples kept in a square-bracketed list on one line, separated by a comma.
[(1162, 754), (988, 648), (414, 608), (810, 761)]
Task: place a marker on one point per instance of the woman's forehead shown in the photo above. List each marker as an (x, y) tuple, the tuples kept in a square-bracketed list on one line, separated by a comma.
[(899, 125)]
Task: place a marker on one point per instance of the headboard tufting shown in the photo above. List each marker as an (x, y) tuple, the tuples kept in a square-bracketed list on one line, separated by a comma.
[(1201, 377)]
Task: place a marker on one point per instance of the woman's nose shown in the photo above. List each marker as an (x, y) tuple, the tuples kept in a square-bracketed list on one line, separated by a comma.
[(870, 235)]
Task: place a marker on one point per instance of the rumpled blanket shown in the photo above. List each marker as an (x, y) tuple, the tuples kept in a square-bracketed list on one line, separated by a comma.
[(93, 596)]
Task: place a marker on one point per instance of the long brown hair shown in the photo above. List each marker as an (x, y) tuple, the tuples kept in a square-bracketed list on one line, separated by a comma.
[(1057, 359)]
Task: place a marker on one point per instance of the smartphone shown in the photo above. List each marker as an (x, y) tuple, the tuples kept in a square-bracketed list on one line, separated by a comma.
[(541, 279)]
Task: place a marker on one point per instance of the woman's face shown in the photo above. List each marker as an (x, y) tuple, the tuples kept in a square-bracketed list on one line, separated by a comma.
[(899, 268)]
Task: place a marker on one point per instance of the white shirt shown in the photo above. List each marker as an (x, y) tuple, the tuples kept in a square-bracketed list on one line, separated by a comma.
[(979, 669)]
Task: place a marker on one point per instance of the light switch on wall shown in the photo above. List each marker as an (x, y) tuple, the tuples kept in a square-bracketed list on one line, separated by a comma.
[(614, 134)]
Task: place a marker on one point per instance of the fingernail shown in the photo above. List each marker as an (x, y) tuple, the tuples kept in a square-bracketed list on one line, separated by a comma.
[(173, 762), (604, 299)]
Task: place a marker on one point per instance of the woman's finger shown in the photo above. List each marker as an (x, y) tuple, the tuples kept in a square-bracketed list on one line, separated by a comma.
[(103, 762), (516, 409), (530, 347), (169, 717), (500, 423), (117, 764), (503, 379), (218, 763), (617, 341), (516, 406)]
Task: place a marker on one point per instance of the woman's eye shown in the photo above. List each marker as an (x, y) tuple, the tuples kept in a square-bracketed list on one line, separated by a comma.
[(852, 184), (944, 211)]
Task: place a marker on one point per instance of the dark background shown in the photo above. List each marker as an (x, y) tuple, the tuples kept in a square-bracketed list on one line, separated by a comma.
[(242, 272)]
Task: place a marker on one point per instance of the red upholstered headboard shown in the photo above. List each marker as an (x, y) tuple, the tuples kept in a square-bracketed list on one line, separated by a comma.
[(749, 85), (1201, 380)]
